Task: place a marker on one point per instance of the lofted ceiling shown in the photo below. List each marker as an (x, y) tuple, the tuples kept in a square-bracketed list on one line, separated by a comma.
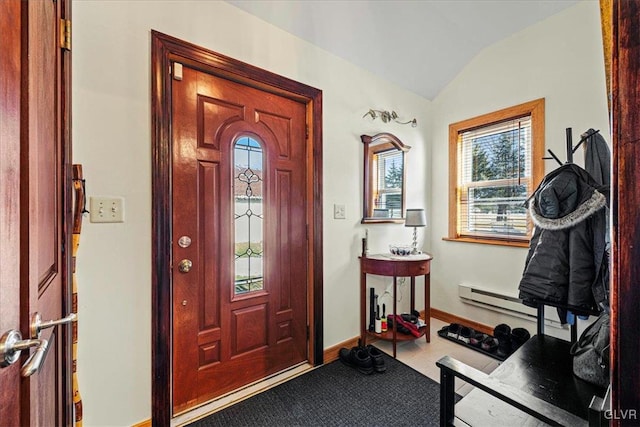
[(420, 45)]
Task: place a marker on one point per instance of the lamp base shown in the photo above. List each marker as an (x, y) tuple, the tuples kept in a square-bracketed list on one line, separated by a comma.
[(414, 245)]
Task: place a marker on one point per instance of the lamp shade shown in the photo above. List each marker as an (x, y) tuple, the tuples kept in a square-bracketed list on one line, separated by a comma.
[(415, 218)]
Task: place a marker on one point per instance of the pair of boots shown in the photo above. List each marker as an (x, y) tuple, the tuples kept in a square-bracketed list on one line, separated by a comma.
[(509, 340)]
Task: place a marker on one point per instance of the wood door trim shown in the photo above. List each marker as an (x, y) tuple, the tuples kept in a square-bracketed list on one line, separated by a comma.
[(69, 408), (164, 50), (625, 294)]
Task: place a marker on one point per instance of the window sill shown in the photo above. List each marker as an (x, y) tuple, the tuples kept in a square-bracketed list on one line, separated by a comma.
[(497, 242)]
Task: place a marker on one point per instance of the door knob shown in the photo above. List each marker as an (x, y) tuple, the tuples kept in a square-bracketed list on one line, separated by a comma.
[(37, 325), (11, 344), (185, 266)]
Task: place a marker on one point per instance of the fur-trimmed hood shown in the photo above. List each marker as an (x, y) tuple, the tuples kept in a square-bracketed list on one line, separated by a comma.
[(566, 197)]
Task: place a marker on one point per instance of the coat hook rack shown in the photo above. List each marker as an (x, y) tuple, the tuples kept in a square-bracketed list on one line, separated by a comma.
[(570, 148)]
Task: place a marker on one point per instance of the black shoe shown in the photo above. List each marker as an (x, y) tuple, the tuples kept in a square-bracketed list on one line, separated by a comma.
[(453, 330), (400, 328), (357, 357), (345, 357), (362, 360), (477, 338), (465, 334), (409, 318), (518, 337), (502, 333), (504, 348), (377, 358), (489, 344)]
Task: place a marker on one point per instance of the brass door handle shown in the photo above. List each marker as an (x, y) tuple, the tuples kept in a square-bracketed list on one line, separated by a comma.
[(185, 266)]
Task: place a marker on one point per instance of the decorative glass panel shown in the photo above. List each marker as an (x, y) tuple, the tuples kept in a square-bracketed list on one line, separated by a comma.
[(248, 218)]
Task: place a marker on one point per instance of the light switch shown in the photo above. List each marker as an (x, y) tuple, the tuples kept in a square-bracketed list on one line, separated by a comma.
[(339, 212), (106, 209)]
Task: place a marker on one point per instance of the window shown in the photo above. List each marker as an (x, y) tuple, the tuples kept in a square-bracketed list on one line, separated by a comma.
[(387, 187), (248, 217), (495, 165), (384, 173)]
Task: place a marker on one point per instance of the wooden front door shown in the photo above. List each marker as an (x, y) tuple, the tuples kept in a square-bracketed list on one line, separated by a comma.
[(239, 239), (34, 150)]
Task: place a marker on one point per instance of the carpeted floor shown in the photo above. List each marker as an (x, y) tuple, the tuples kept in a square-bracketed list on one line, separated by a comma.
[(338, 395)]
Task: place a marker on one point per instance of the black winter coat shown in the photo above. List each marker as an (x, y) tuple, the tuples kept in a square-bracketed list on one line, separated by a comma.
[(567, 261)]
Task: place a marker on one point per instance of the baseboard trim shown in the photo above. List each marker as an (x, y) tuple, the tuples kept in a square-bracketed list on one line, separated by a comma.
[(332, 353), (452, 318), (145, 423)]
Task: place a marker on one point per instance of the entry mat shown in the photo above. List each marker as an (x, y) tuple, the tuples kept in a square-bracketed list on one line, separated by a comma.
[(486, 344)]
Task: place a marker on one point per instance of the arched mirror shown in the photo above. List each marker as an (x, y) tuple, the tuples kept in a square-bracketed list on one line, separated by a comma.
[(384, 178)]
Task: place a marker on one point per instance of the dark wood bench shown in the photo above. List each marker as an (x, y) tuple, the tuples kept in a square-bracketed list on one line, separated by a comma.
[(534, 386)]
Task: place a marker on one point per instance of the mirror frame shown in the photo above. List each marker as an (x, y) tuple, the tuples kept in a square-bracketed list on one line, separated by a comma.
[(373, 145)]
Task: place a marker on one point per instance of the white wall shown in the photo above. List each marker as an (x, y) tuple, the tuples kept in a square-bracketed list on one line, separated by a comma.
[(112, 140), (559, 59)]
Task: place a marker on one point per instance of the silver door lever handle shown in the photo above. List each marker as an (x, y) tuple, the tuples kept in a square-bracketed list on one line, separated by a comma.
[(37, 325), (33, 363), (11, 344)]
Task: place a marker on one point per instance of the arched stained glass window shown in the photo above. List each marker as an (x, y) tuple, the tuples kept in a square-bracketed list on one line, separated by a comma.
[(248, 217)]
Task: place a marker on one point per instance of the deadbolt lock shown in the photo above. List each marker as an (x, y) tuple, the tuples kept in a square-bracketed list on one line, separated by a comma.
[(185, 266)]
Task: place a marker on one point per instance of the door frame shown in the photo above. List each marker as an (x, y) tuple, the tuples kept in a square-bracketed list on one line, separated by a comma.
[(70, 407), (625, 186), (164, 50)]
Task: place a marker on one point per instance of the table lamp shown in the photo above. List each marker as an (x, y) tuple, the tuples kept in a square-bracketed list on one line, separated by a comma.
[(415, 218)]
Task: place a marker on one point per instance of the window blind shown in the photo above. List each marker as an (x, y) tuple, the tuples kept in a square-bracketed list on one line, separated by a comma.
[(495, 179)]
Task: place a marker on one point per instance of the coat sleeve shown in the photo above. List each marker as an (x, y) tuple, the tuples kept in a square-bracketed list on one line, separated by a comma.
[(546, 272), (581, 267)]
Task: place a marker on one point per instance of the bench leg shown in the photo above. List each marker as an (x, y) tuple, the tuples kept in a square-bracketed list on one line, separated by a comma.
[(447, 397)]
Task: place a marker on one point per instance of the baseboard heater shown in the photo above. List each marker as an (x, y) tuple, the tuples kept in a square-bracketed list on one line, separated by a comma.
[(505, 304)]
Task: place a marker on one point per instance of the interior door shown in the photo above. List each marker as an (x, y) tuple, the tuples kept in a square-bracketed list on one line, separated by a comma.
[(239, 235), (33, 230)]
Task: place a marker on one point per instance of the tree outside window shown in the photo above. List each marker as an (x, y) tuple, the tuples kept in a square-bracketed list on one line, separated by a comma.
[(497, 160)]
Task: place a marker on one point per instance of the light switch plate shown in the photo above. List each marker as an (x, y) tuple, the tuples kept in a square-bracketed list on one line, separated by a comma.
[(106, 209), (339, 212)]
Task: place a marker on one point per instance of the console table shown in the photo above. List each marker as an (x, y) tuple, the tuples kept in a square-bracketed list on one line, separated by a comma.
[(396, 266)]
